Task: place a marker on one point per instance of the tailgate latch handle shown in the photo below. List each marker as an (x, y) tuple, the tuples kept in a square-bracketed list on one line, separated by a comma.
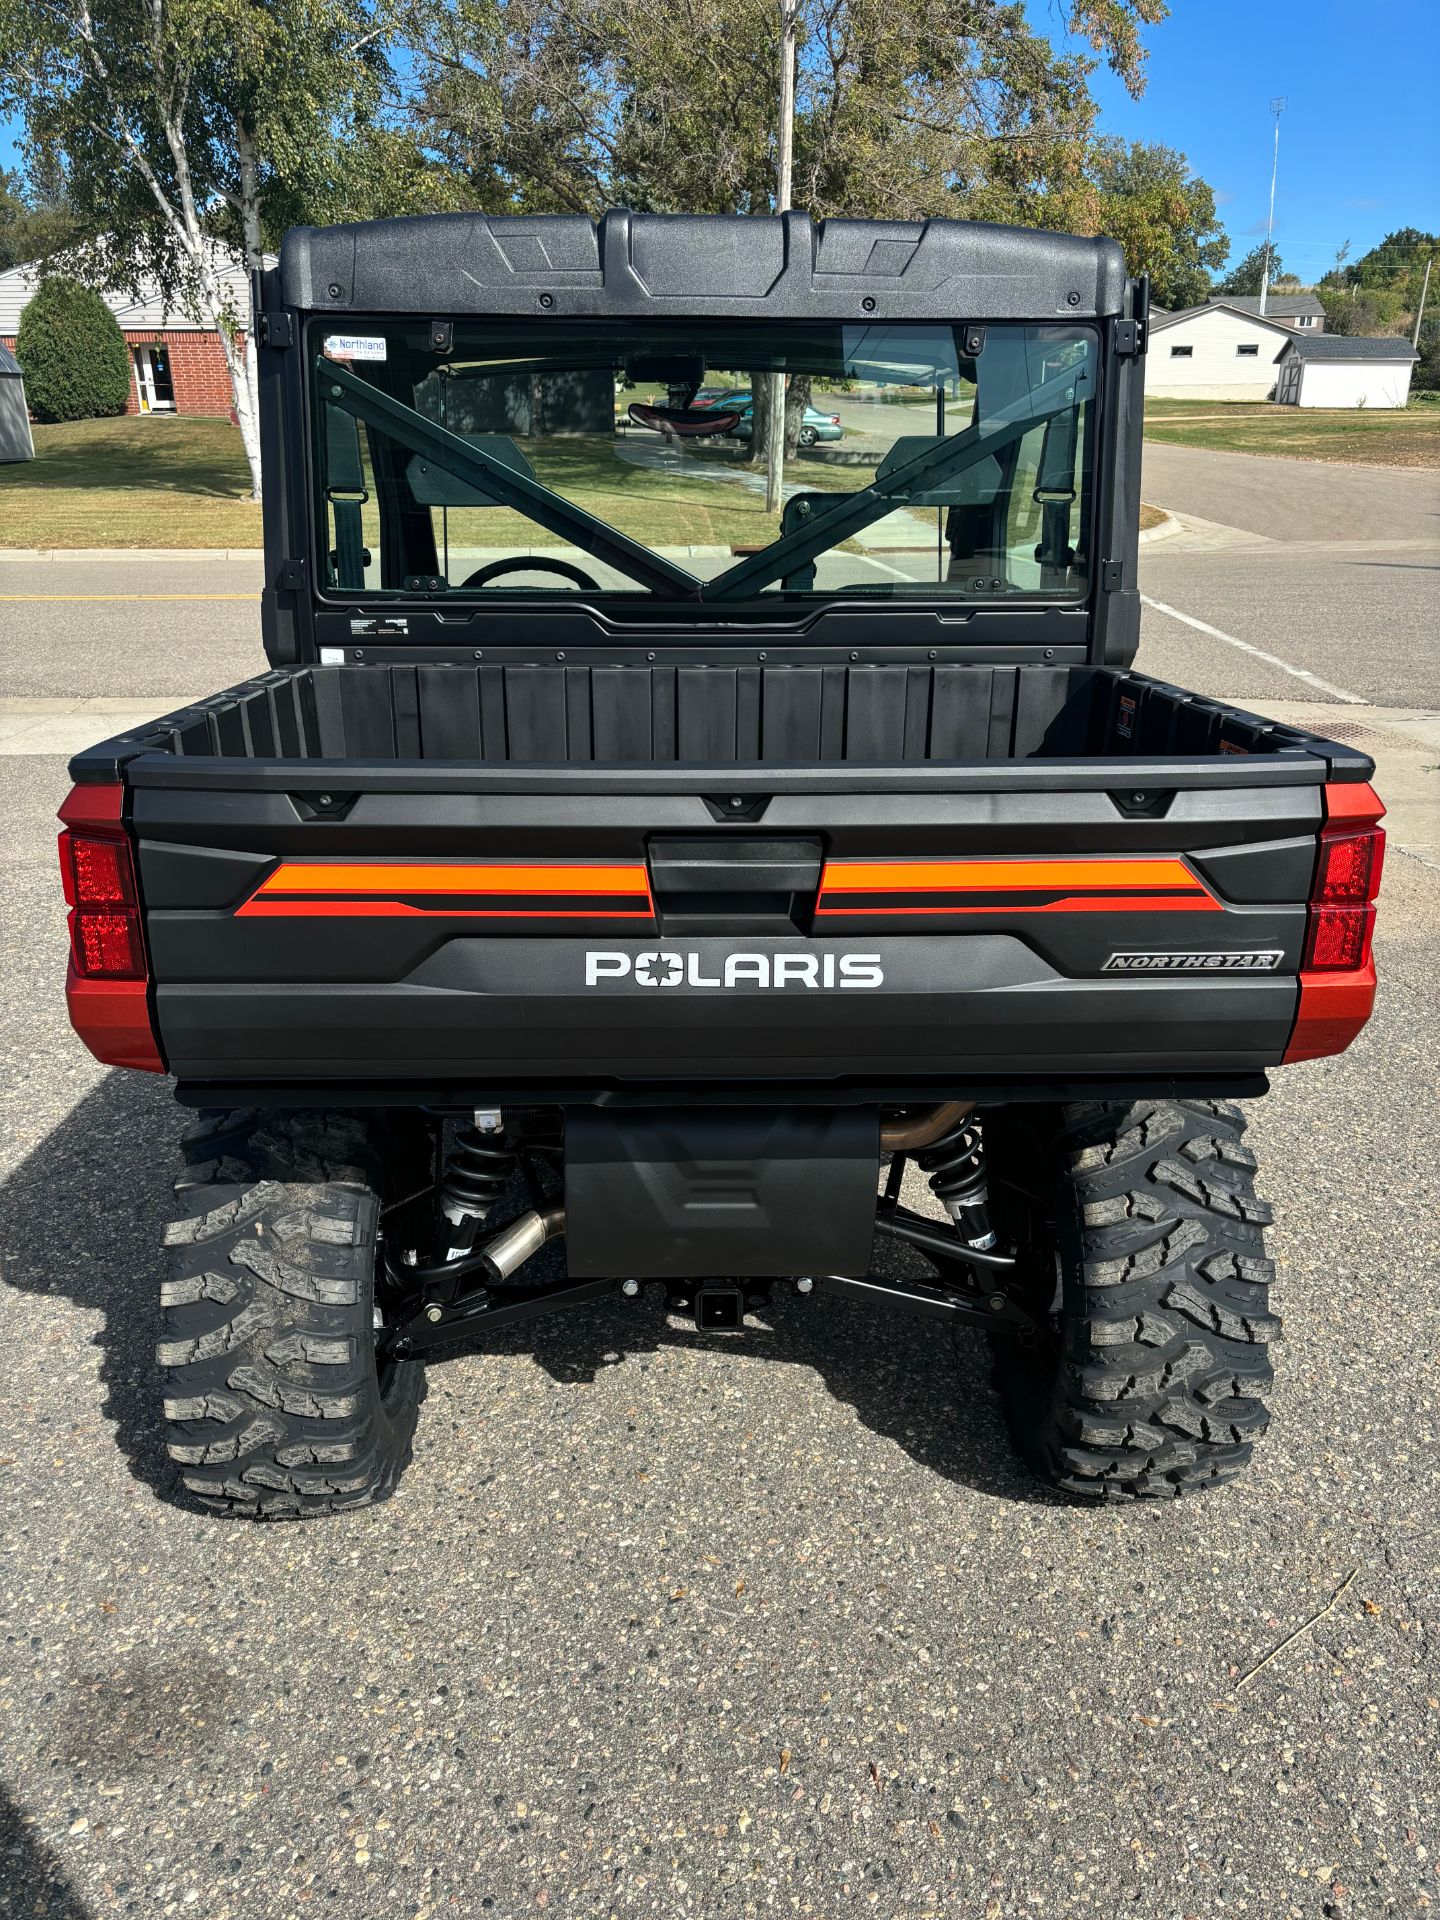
[(735, 883)]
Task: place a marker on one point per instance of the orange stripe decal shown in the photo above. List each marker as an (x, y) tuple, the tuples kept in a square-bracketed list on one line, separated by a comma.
[(973, 876), (454, 889), (322, 877), (1154, 883), (1078, 903), (258, 909)]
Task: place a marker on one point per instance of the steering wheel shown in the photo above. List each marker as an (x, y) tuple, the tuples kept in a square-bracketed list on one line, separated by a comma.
[(528, 563)]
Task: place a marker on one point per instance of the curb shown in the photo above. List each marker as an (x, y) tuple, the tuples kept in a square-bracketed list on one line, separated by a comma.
[(1168, 526)]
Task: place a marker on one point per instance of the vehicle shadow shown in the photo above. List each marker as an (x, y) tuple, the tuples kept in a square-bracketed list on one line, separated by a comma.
[(913, 1380), (31, 1879), (82, 1218)]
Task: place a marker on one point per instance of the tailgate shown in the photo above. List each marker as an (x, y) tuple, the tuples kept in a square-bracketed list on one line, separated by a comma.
[(619, 927)]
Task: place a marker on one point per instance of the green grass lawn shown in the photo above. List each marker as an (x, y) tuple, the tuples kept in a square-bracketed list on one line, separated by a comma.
[(184, 483), (1352, 435), (702, 501), (149, 482)]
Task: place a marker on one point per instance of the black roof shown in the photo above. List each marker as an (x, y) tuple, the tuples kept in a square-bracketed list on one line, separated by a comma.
[(1278, 306), (1339, 346), (649, 265), (8, 363)]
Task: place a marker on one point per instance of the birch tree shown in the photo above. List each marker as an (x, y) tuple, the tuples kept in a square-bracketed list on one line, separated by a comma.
[(187, 132), (903, 108)]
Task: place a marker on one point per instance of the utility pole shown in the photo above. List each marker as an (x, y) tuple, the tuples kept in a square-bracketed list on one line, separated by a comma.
[(775, 427), (1277, 107), (1424, 289)]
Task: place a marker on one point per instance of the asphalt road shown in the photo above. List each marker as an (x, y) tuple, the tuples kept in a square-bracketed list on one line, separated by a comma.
[(669, 1625), (1335, 570)]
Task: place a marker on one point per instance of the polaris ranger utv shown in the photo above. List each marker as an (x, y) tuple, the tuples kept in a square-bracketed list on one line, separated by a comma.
[(605, 861)]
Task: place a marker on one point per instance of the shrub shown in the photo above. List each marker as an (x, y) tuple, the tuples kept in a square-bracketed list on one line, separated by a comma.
[(1366, 312), (72, 353)]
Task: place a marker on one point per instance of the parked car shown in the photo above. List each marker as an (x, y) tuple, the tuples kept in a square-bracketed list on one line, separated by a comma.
[(815, 425)]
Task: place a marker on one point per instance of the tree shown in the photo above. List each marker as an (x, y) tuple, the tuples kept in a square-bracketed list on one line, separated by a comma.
[(72, 353), (1247, 277), (1147, 198), (34, 224), (904, 108), (186, 126), (1426, 378), (1396, 264), (1336, 276), (1364, 313)]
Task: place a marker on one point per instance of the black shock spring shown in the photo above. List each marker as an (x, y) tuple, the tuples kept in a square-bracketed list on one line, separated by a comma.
[(478, 1168), (956, 1166)]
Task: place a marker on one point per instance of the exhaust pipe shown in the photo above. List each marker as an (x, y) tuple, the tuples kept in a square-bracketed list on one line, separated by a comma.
[(522, 1239)]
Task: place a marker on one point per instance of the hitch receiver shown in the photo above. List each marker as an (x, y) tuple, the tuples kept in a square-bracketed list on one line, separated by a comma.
[(719, 1308)]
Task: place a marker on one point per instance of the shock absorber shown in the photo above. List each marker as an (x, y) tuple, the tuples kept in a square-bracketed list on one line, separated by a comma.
[(956, 1166), (478, 1169)]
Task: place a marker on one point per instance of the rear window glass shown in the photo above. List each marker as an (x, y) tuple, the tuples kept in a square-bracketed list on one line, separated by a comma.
[(564, 457)]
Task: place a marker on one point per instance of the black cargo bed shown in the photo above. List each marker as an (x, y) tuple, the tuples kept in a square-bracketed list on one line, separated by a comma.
[(650, 719)]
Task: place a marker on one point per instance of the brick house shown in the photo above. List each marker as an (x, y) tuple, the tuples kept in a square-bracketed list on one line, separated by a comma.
[(177, 365)]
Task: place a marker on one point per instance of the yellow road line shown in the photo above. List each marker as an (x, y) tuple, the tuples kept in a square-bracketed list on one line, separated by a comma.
[(72, 597)]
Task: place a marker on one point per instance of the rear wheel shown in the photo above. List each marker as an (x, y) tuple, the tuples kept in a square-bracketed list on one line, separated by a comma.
[(1142, 1254), (808, 436), (275, 1404)]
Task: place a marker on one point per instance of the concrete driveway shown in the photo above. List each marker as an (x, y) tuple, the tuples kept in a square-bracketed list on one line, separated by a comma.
[(666, 1625)]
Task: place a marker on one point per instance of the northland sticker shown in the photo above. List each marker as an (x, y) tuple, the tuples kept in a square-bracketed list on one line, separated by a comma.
[(733, 971), (355, 346), (1264, 961)]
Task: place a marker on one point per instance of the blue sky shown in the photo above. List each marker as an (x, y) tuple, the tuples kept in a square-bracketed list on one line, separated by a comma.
[(1359, 139)]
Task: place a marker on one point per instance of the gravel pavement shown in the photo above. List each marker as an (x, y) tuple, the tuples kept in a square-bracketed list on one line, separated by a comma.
[(675, 1625)]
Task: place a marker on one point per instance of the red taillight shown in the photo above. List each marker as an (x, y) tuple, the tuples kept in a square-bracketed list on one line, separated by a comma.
[(105, 921), (1338, 938), (1347, 879), (100, 872), (108, 945), (1347, 866), (1337, 971), (107, 987)]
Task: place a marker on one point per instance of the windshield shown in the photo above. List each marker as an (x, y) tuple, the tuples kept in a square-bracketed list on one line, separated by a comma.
[(491, 458)]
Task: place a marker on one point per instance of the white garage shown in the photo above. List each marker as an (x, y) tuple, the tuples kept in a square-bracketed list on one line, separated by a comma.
[(1331, 371), (1214, 352)]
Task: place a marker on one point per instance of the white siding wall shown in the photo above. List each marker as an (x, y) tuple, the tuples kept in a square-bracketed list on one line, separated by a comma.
[(1213, 370), (151, 310), (1371, 383)]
